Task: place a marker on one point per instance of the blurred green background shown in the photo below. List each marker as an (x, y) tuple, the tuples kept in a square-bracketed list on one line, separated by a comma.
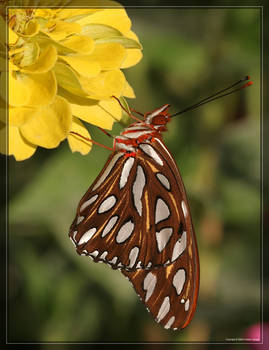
[(56, 295)]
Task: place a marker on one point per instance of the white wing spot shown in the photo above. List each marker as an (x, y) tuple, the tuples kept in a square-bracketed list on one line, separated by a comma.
[(109, 226), (87, 236), (184, 209), (133, 256), (163, 237), (163, 180), (114, 260), (162, 211), (134, 135), (170, 322), (138, 188), (88, 202), (122, 146), (149, 265), (139, 265), (180, 246), (182, 301), (94, 254), (74, 235), (107, 170), (187, 305), (79, 219), (158, 111), (103, 256), (107, 204), (149, 285), (179, 280), (150, 151), (138, 127), (164, 309), (125, 231), (126, 171)]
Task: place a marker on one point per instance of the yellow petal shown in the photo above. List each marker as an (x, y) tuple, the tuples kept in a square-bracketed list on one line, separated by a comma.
[(105, 85), (43, 13), (18, 146), (12, 66), (79, 43), (116, 18), (30, 54), (123, 40), (43, 40), (128, 91), (68, 79), (132, 35), (99, 31), (133, 55), (32, 89), (132, 58), (59, 30), (112, 107), (12, 37), (50, 125), (32, 28), (108, 55), (82, 65), (71, 13), (102, 114), (20, 115), (45, 62), (76, 143)]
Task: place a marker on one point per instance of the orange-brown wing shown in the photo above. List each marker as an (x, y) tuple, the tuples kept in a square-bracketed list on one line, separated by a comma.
[(135, 213), (170, 292)]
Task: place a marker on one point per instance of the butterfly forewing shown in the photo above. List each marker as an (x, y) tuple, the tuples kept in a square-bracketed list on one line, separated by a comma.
[(134, 214)]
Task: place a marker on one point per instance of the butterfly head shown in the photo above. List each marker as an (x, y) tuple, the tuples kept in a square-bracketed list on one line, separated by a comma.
[(158, 118)]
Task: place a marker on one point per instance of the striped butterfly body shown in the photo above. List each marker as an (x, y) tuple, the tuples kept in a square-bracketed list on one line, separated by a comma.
[(136, 218)]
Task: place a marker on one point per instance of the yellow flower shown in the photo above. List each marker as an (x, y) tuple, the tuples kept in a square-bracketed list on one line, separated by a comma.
[(64, 66)]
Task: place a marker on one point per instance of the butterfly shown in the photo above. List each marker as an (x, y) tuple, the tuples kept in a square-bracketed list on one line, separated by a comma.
[(135, 217)]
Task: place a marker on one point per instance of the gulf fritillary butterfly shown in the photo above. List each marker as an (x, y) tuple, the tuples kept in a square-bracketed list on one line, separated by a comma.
[(136, 218)]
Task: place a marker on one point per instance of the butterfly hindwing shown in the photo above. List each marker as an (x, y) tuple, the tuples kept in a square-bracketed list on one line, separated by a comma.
[(170, 292)]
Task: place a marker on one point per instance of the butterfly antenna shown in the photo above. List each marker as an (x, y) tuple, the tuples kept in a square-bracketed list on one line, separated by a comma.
[(219, 94), (90, 140), (130, 114)]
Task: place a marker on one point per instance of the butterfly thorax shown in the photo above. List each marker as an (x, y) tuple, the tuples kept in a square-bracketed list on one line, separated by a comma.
[(146, 131)]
